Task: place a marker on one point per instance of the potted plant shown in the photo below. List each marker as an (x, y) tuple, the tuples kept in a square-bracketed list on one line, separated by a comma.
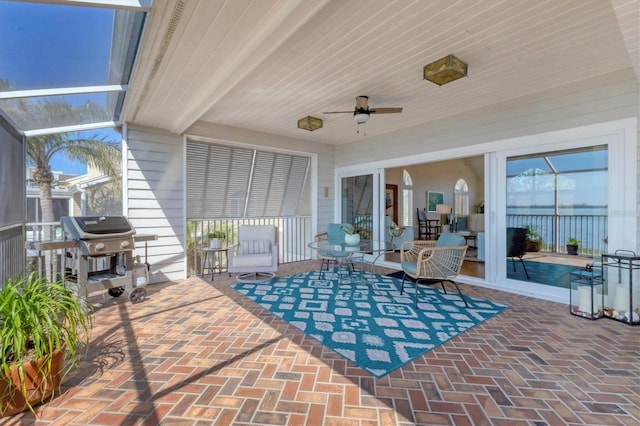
[(534, 239), (572, 246), (42, 326), (351, 237), (215, 238)]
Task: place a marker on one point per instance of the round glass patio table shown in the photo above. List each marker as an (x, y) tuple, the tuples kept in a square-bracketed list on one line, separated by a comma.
[(346, 254)]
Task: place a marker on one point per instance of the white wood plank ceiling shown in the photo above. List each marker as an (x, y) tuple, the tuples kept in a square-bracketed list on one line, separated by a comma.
[(263, 64)]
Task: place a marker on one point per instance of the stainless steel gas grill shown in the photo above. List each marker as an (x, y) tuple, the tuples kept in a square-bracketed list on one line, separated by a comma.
[(102, 257)]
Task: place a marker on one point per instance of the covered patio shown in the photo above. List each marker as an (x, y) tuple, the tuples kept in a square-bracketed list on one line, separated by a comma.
[(205, 98), (198, 352)]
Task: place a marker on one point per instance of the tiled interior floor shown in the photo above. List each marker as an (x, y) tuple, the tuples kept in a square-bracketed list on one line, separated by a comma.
[(197, 352)]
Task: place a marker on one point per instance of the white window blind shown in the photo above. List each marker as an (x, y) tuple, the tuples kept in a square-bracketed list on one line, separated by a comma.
[(407, 199), (232, 182)]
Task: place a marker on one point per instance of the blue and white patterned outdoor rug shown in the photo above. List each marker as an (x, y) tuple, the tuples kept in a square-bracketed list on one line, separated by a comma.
[(368, 321)]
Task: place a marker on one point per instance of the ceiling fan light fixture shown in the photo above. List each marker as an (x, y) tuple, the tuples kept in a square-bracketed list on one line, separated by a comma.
[(445, 70), (310, 123), (360, 117)]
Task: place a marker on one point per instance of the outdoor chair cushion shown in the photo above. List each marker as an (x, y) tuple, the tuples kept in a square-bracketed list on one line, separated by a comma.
[(450, 240), (253, 260), (254, 247)]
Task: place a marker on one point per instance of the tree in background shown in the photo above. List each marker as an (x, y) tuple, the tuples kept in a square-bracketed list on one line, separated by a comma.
[(77, 147)]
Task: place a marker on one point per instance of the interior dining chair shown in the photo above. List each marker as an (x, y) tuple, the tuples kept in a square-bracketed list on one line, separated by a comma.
[(423, 230), (431, 262)]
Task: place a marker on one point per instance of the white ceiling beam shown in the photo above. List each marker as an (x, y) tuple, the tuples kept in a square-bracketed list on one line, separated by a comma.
[(36, 93), (628, 16), (263, 41), (67, 129)]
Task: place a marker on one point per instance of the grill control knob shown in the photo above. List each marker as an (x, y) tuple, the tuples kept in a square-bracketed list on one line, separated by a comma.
[(124, 244), (99, 246)]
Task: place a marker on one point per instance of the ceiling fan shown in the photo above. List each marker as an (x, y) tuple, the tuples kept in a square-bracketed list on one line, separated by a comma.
[(362, 112)]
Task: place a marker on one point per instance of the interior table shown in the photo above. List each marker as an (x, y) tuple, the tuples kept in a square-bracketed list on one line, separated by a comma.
[(470, 237), (340, 251)]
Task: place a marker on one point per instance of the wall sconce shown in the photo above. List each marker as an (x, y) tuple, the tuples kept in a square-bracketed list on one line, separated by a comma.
[(310, 123), (445, 70)]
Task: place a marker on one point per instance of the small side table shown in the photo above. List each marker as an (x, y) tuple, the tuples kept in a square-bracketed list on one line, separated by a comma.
[(212, 260)]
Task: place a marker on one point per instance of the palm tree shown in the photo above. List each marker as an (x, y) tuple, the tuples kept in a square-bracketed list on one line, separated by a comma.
[(77, 147), (91, 150)]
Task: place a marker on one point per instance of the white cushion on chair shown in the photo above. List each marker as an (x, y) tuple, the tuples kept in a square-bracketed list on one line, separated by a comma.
[(252, 260), (254, 247)]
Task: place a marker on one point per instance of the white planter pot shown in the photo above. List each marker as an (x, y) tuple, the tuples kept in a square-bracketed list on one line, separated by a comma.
[(215, 243), (352, 239)]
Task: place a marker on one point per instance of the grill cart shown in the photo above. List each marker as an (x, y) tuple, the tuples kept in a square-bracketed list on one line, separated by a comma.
[(99, 255)]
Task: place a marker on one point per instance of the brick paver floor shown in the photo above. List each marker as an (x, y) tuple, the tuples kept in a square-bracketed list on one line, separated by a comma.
[(198, 353)]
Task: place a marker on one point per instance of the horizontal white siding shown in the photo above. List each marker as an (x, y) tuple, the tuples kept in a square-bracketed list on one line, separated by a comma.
[(155, 199), (606, 98), (609, 97)]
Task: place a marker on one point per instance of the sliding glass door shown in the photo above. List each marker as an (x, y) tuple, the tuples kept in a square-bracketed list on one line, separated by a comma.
[(556, 213), (357, 204)]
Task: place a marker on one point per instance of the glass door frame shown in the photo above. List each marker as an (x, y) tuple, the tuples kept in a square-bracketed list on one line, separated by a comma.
[(622, 232), (378, 179)]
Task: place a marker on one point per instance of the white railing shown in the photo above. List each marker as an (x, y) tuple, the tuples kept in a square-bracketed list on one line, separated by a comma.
[(294, 233), (590, 230)]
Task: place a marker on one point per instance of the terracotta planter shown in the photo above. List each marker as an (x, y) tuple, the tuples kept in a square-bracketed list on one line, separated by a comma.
[(533, 246), (39, 388)]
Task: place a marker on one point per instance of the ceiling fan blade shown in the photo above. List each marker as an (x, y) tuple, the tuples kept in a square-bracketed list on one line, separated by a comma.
[(385, 110), (338, 112)]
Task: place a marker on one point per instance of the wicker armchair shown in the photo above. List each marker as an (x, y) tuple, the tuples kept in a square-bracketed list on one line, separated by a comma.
[(430, 262)]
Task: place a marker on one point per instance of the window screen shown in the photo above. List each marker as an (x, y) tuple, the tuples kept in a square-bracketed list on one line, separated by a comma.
[(12, 176)]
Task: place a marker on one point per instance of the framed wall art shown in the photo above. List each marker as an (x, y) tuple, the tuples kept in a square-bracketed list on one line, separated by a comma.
[(391, 202), (433, 199)]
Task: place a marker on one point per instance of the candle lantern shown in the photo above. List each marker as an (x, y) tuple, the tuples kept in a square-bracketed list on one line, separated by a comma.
[(587, 297), (621, 288)]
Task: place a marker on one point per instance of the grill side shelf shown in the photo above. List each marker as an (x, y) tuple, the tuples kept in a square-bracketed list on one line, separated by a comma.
[(51, 244)]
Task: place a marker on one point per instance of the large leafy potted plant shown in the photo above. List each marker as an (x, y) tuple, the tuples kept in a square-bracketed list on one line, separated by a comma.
[(43, 327)]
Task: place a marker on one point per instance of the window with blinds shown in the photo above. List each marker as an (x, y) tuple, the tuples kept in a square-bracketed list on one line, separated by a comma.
[(236, 182), (407, 199), (461, 200)]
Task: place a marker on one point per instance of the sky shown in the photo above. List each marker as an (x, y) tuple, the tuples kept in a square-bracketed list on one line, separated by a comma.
[(62, 164), (57, 46)]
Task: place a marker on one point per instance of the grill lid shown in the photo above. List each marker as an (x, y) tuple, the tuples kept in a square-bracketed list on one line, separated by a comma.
[(88, 227)]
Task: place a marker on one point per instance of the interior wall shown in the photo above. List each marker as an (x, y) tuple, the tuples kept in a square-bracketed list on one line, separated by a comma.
[(440, 176)]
